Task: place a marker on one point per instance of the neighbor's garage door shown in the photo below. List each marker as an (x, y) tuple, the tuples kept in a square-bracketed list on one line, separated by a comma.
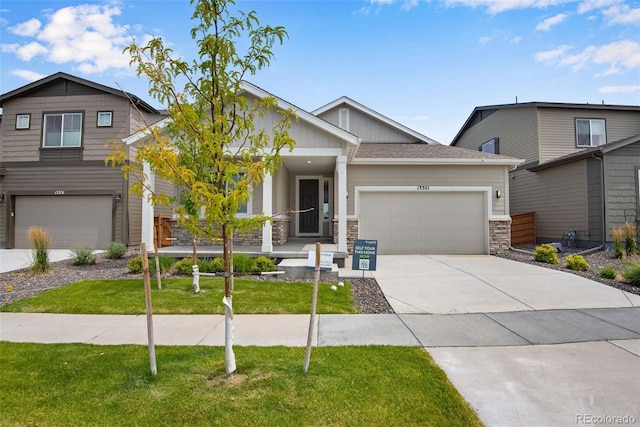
[(69, 220), (425, 222)]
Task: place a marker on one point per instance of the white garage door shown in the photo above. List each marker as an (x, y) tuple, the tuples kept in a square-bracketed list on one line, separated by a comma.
[(69, 220), (425, 222)]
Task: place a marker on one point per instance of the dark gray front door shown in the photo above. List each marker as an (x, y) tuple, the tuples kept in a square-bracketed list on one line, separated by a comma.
[(309, 200)]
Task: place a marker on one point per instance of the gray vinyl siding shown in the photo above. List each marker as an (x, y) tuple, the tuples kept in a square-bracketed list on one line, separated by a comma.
[(256, 201), (621, 186), (367, 128), (73, 181), (517, 129), (558, 196), (162, 186), (558, 129), (134, 204), (3, 223), (374, 175), (281, 191), (594, 183)]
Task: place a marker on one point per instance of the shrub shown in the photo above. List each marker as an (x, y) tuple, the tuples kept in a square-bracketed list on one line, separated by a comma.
[(116, 250), (83, 255), (577, 263), (166, 263), (134, 265), (216, 265), (546, 253), (631, 273), (264, 264), (243, 263), (185, 266), (40, 241), (630, 242), (607, 272)]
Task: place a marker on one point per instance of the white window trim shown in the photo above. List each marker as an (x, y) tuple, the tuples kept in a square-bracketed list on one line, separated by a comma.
[(110, 124), (604, 125), (44, 129), (20, 117)]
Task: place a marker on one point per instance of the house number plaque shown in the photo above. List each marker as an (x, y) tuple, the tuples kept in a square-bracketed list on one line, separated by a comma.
[(423, 188), (59, 193)]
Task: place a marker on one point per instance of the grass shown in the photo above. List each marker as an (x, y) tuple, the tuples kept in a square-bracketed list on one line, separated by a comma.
[(82, 385), (126, 296)]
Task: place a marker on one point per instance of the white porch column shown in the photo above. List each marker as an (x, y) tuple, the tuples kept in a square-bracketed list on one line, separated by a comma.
[(147, 207), (267, 208), (341, 164)]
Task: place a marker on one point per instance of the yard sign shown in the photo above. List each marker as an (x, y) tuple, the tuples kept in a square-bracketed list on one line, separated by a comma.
[(364, 255)]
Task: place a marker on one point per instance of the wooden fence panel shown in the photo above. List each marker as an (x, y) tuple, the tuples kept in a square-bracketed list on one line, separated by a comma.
[(523, 229)]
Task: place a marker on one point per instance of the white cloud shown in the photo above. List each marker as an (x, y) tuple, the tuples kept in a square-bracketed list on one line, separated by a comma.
[(620, 89), (406, 4), (498, 6), (83, 35), (486, 39), (550, 22), (26, 29), (30, 76), (550, 55), (621, 15), (589, 5), (516, 40)]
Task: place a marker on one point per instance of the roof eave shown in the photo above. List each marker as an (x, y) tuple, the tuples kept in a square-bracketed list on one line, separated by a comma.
[(432, 161)]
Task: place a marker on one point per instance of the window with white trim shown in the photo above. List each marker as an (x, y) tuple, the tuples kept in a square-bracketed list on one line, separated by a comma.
[(244, 209), (491, 146), (23, 121), (590, 132), (104, 119), (62, 130)]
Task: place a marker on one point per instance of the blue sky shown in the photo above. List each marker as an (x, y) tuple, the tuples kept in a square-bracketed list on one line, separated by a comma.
[(425, 64)]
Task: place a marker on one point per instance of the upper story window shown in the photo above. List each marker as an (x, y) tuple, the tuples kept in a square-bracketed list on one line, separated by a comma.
[(590, 132), (491, 146), (62, 130), (104, 119), (23, 121)]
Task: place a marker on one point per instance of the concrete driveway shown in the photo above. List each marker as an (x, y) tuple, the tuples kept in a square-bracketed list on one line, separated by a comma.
[(524, 345), (17, 259)]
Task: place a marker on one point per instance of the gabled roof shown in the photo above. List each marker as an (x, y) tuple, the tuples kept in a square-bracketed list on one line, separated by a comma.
[(488, 109), (420, 153), (588, 152), (21, 91), (261, 93), (366, 110)]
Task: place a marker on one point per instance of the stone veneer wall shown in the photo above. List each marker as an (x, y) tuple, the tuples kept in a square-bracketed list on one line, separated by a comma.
[(281, 231), (499, 236), (352, 232), (280, 235)]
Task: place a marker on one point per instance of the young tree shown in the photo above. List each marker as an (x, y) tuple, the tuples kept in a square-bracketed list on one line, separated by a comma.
[(210, 148)]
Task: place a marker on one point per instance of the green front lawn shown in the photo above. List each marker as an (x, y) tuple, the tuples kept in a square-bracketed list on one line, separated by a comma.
[(86, 385), (126, 296)]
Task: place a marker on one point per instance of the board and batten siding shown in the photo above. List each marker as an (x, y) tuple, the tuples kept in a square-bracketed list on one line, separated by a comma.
[(431, 175), (594, 183), (621, 183), (517, 129), (281, 190), (558, 128), (73, 181), (558, 196), (367, 128)]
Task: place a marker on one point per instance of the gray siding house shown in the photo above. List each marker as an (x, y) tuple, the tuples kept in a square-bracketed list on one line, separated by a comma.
[(53, 144), (581, 164), (355, 173)]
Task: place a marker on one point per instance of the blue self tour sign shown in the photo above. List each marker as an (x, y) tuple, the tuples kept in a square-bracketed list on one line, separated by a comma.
[(364, 255)]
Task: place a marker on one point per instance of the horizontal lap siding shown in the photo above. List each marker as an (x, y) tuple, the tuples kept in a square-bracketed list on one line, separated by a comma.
[(366, 175), (558, 196)]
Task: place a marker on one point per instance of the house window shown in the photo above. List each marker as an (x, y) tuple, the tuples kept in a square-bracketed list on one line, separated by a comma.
[(244, 209), (23, 121), (62, 130), (343, 119), (104, 118), (590, 132), (491, 146)]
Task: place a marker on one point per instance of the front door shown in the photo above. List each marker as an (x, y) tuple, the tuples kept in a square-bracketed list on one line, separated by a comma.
[(309, 197)]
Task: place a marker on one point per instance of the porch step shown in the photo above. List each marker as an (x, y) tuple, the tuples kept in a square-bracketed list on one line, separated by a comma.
[(296, 268)]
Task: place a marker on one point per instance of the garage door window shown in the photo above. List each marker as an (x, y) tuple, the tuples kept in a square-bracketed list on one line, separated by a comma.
[(62, 130)]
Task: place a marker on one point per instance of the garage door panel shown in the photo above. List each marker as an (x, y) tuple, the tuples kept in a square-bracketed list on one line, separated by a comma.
[(430, 222), (69, 220)]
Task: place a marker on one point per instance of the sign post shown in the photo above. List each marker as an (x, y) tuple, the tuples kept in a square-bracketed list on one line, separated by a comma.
[(364, 255)]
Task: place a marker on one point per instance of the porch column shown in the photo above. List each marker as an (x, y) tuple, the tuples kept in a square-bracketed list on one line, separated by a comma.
[(341, 164), (147, 207), (267, 208)]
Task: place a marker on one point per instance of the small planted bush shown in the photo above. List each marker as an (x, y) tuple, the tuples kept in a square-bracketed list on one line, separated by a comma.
[(185, 266), (40, 241), (607, 272), (630, 242), (577, 263), (264, 264), (116, 250), (618, 237), (83, 255), (134, 265), (243, 263), (631, 273), (216, 265), (546, 253), (166, 263)]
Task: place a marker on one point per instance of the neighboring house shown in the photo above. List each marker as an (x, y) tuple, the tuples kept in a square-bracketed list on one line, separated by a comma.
[(355, 173), (53, 144), (581, 164)]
